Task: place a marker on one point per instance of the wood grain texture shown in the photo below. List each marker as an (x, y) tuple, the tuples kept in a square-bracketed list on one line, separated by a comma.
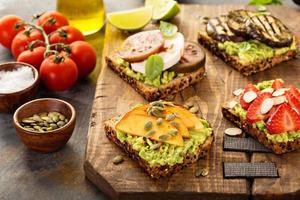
[(114, 96)]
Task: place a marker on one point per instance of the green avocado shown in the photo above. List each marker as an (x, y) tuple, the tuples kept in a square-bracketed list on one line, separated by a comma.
[(164, 78), (252, 50), (276, 138), (167, 154)]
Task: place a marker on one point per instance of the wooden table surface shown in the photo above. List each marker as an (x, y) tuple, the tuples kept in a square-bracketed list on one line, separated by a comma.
[(28, 175)]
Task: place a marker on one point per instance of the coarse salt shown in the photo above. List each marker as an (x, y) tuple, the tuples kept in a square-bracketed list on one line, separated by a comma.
[(16, 80)]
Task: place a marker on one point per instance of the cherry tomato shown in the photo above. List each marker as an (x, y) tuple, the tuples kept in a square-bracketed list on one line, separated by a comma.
[(22, 39), (34, 57), (85, 57), (58, 73), (9, 29), (52, 20), (66, 34)]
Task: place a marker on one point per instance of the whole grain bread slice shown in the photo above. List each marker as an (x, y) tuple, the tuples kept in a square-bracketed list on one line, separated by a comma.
[(165, 91), (260, 65), (277, 148), (156, 171)]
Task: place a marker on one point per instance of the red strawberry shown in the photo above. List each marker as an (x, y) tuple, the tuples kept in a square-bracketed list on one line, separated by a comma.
[(295, 92), (293, 101), (248, 88), (284, 119), (253, 112), (278, 83)]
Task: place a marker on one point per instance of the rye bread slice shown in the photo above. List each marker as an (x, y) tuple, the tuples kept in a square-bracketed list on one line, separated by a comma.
[(277, 148), (155, 171), (165, 91), (254, 67)]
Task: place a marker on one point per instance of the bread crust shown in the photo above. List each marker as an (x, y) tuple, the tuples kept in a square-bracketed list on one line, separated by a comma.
[(233, 61), (277, 148), (166, 91), (156, 171)]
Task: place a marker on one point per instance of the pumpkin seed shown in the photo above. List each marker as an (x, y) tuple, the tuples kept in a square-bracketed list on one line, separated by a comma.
[(150, 133), (118, 159), (163, 137), (62, 118), (157, 103), (60, 124), (173, 132), (27, 121), (148, 125), (55, 118), (204, 172), (155, 146), (198, 172), (149, 142), (45, 118), (157, 108), (53, 126), (37, 127), (175, 124), (43, 122), (159, 121), (188, 104), (194, 109), (170, 117), (155, 113)]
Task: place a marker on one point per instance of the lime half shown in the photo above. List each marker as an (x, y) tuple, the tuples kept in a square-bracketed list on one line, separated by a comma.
[(131, 19), (163, 9)]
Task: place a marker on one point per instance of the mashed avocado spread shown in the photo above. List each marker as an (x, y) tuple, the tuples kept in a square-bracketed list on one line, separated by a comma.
[(261, 125), (167, 154), (164, 78), (252, 50)]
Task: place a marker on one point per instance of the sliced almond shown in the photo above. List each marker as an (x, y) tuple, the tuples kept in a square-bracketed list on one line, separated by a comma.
[(232, 104), (279, 92), (238, 92), (266, 106), (233, 131), (249, 96), (270, 90), (279, 100)]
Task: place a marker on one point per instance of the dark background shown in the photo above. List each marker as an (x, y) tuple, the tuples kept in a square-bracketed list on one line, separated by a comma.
[(28, 175)]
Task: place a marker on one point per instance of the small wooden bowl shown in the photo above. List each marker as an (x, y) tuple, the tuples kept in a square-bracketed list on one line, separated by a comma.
[(9, 102), (49, 141)]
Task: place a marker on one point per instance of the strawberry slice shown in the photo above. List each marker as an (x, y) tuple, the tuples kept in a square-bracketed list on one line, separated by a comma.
[(295, 92), (249, 87), (292, 100), (278, 83), (254, 110), (284, 119)]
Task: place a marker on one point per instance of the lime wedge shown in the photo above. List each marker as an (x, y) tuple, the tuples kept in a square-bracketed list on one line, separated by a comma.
[(131, 19), (163, 9)]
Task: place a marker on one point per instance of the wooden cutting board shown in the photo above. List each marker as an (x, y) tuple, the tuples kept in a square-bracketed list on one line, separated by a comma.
[(113, 97)]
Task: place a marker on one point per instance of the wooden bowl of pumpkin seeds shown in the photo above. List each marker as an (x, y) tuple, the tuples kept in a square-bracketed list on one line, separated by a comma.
[(45, 125)]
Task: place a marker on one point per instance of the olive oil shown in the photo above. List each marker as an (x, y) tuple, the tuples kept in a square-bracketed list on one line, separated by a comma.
[(86, 15)]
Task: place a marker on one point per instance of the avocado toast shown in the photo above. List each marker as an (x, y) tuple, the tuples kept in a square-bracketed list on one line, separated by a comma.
[(268, 111), (248, 41), (161, 136), (158, 66)]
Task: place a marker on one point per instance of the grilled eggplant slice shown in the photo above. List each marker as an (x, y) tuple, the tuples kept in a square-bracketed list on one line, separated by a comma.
[(218, 29), (264, 28)]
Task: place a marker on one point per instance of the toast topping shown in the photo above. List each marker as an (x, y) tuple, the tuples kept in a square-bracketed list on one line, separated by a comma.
[(266, 29), (249, 96), (160, 121), (283, 120), (266, 106), (276, 108), (140, 46)]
